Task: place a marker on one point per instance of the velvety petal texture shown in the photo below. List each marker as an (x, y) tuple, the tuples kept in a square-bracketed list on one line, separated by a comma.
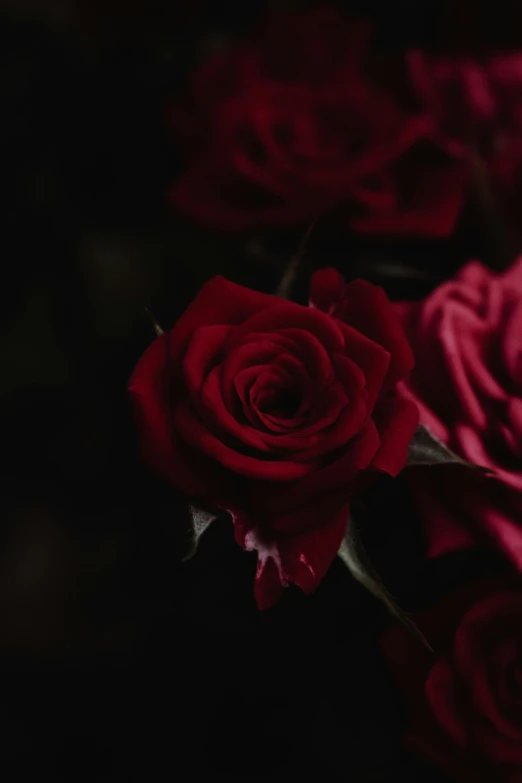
[(466, 703), (467, 384), (278, 414), (277, 135)]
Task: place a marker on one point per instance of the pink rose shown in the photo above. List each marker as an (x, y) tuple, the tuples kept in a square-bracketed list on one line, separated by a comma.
[(467, 382)]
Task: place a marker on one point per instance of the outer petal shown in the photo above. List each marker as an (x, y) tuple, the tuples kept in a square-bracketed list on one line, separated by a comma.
[(203, 350), (326, 289), (289, 315), (442, 692), (150, 393), (461, 385), (367, 308), (396, 421), (372, 358), (486, 623), (302, 560), (219, 302), (444, 725), (429, 198)]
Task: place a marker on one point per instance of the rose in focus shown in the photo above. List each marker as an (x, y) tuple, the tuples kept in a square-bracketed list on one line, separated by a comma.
[(288, 125), (279, 414), (467, 383), (466, 705)]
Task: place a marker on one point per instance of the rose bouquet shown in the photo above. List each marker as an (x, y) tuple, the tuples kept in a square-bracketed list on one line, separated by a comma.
[(276, 417), (283, 420), (271, 528)]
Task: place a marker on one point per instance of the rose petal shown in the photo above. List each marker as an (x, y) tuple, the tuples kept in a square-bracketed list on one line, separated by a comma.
[(495, 703), (510, 343), (512, 433), (495, 615), (396, 421), (429, 196), (336, 476), (219, 302), (367, 308), (217, 414), (373, 360), (456, 323), (326, 289), (446, 702), (150, 388), (255, 353), (302, 560), (289, 315), (243, 383), (304, 441), (512, 277), (350, 421), (198, 437), (271, 392), (294, 345), (303, 383), (468, 443), (203, 351), (322, 416)]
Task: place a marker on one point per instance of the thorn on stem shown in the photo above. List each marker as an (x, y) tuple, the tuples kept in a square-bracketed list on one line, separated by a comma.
[(157, 328)]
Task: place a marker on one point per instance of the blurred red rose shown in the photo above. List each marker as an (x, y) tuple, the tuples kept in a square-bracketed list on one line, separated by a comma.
[(473, 101), (276, 412), (465, 701), (476, 106), (287, 125), (467, 382)]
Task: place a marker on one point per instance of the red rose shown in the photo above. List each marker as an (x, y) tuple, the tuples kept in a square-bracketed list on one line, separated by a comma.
[(287, 126), (276, 412), (467, 382), (466, 703), (474, 102), (476, 105)]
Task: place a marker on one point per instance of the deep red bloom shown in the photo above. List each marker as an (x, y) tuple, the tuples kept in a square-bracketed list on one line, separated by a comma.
[(467, 382), (274, 411), (287, 125), (465, 702), (474, 102), (476, 107)]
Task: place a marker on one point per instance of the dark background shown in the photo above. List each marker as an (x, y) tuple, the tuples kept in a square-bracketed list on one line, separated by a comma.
[(117, 661)]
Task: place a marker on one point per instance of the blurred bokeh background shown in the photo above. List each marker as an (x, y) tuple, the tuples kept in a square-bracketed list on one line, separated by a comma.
[(118, 662)]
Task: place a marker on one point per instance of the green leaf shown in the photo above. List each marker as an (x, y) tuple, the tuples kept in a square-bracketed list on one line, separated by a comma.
[(200, 522), (426, 449), (355, 559)]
